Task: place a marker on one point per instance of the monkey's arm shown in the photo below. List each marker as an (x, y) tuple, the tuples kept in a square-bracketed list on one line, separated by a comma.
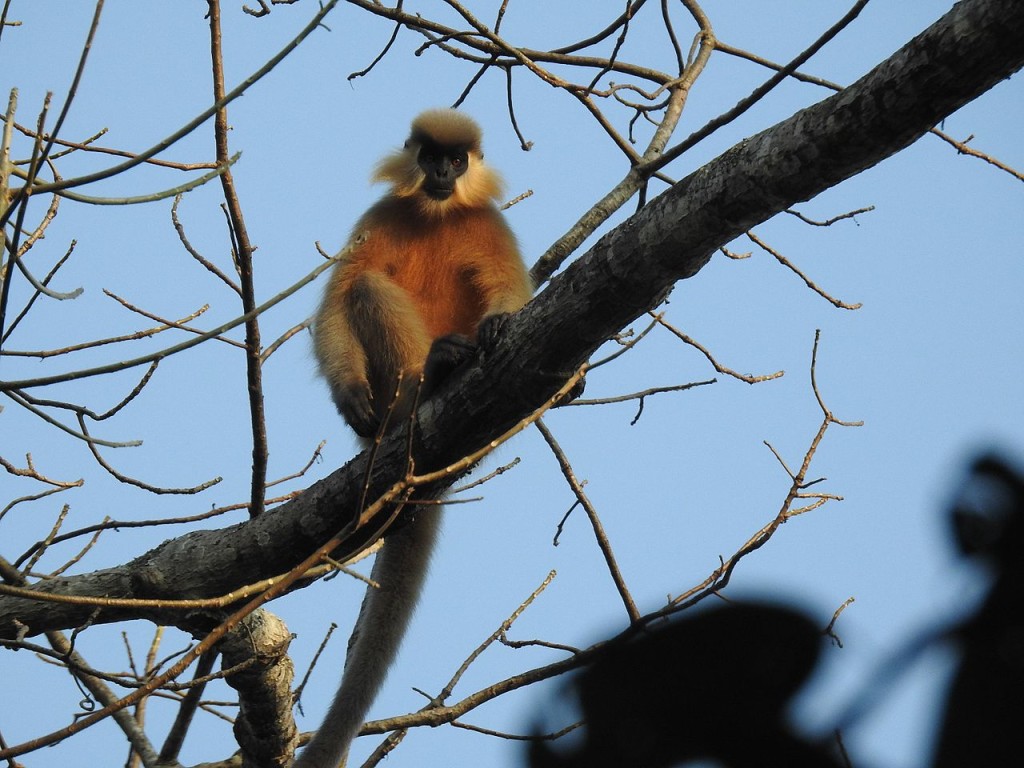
[(506, 297), (501, 277), (342, 359)]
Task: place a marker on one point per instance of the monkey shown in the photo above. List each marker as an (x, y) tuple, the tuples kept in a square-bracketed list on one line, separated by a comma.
[(433, 274)]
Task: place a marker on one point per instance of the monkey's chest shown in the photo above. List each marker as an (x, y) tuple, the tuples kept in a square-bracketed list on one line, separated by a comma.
[(444, 293)]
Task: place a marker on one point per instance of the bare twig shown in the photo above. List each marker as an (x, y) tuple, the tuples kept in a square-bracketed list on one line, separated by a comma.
[(8, 386), (720, 577), (595, 521), (963, 149), (748, 378), (761, 91), (807, 281), (186, 712), (326, 8), (830, 221), (243, 262), (396, 736)]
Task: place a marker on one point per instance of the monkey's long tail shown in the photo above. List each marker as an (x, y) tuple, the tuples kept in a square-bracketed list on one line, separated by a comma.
[(400, 569)]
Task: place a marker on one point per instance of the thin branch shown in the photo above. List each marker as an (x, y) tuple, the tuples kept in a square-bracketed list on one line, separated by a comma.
[(88, 146), (595, 522), (123, 478), (36, 294), (641, 396), (963, 149), (26, 401), (830, 221), (395, 737), (152, 197), (178, 324), (721, 576), (143, 334), (384, 52), (243, 261), (489, 476), (185, 130), (488, 44), (761, 91), (186, 712), (114, 525), (284, 337), (807, 281), (748, 378), (587, 42), (7, 386), (210, 266)]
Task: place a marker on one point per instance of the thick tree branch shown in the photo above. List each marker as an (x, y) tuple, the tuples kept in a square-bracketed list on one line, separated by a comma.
[(977, 44), (265, 726)]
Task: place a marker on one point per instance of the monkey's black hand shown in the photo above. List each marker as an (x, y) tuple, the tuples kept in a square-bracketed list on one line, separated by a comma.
[(446, 354), (490, 330), (355, 403)]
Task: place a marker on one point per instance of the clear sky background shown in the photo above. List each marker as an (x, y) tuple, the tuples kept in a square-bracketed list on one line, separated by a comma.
[(932, 362)]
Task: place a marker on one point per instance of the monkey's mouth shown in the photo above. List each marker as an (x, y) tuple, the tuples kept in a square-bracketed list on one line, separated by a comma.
[(439, 193)]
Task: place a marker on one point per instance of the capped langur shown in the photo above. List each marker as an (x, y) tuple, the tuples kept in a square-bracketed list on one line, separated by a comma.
[(435, 275)]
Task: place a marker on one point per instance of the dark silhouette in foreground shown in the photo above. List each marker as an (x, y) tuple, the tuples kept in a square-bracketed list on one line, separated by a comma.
[(717, 685)]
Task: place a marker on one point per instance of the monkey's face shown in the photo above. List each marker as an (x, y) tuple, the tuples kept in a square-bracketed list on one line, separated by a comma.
[(442, 166)]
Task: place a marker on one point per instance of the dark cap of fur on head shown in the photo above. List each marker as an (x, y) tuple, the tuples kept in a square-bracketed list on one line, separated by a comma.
[(447, 127)]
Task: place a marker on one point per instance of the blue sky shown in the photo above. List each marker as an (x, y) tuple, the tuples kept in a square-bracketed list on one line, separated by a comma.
[(931, 363)]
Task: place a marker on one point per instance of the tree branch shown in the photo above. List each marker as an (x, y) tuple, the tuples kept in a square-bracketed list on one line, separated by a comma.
[(974, 46)]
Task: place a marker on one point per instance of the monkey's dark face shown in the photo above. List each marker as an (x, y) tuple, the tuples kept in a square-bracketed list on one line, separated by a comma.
[(442, 166)]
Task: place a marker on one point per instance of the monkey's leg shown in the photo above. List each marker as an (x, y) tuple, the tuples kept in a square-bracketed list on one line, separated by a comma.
[(395, 340)]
